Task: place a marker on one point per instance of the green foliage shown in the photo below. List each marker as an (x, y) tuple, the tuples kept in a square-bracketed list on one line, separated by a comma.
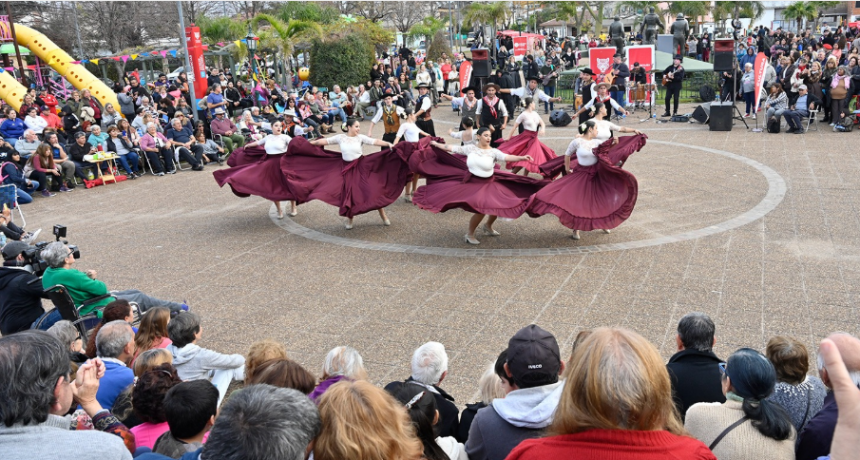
[(342, 60), (437, 46), (307, 11)]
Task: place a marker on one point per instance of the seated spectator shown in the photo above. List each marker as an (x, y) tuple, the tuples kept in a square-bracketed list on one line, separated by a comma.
[(98, 139), (421, 407), (118, 310), (800, 109), (156, 147), (283, 373), (115, 346), (363, 102), (228, 131), (87, 100), (190, 409), (150, 359), (12, 127), (13, 175), (27, 145), (84, 286), (21, 292), (153, 330), (41, 166), (147, 399), (533, 367), (13, 232), (341, 363), (71, 122), (212, 152), (38, 392), (491, 386), (51, 119), (67, 166), (429, 369), (630, 416), (777, 101), (816, 438), (48, 99), (748, 379), (34, 121), (138, 123), (122, 147), (261, 352), (195, 363), (68, 334), (127, 133), (78, 150), (801, 395), (182, 138), (363, 422), (694, 370)]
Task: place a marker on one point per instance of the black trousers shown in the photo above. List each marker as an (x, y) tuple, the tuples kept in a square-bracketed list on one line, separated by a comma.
[(155, 161), (41, 178), (388, 137), (193, 159), (426, 126), (673, 92)]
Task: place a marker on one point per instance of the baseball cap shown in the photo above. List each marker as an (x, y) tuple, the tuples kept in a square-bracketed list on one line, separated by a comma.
[(13, 249), (533, 357), (801, 87)]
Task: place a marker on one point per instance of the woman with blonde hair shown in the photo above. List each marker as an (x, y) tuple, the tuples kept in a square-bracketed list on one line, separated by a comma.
[(363, 422), (341, 363), (153, 330), (260, 353), (617, 401), (150, 359)]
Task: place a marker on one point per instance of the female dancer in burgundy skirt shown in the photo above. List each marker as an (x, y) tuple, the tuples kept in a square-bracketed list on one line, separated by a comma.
[(605, 129), (527, 142), (471, 183), (256, 171), (595, 194)]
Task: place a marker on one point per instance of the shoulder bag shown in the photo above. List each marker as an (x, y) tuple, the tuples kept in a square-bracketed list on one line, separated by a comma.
[(727, 431)]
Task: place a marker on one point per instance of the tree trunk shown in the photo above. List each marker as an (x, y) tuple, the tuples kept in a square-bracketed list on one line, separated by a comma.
[(165, 68)]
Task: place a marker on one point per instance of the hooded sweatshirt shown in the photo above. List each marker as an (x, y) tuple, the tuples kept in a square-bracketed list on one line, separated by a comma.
[(522, 414), (21, 303), (194, 363)]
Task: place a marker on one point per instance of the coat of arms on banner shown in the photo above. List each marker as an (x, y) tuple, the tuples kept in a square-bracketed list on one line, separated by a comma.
[(603, 64)]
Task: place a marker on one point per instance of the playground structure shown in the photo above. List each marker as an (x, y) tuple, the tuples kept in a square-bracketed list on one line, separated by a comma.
[(46, 51)]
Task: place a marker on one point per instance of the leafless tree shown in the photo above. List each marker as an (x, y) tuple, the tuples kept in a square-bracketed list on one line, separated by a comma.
[(372, 11), (404, 15)]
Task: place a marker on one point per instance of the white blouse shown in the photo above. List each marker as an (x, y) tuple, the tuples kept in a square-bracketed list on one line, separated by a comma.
[(350, 147), (480, 161), (408, 131), (584, 151), (529, 120), (459, 135), (605, 128), (275, 144)]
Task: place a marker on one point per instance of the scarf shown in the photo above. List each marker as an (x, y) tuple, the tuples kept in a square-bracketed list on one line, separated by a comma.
[(491, 104), (468, 105), (390, 112)]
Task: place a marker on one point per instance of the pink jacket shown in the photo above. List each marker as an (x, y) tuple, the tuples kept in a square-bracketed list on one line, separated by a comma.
[(147, 142), (837, 78)]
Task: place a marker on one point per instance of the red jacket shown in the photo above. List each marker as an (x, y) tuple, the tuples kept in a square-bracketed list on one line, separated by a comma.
[(613, 445)]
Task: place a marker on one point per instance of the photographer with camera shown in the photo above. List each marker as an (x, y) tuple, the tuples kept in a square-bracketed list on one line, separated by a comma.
[(21, 292), (84, 286)]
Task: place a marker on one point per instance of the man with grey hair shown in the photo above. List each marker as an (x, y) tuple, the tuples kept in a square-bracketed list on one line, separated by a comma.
[(815, 439), (27, 145), (37, 394), (694, 370), (83, 286), (115, 346), (182, 139), (429, 369), (261, 422)]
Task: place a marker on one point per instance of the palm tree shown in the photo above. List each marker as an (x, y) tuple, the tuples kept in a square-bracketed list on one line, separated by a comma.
[(284, 36), (696, 9), (820, 8), (483, 14), (800, 11), (220, 30)]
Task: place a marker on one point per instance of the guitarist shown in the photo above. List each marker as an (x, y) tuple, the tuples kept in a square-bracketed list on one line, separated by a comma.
[(621, 72), (549, 77), (673, 79)]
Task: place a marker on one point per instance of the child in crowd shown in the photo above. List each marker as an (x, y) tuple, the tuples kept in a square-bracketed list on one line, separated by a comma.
[(190, 408)]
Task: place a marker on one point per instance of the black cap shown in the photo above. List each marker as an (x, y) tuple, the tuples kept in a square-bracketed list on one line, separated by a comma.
[(635, 64), (618, 55), (13, 249), (587, 71), (533, 79), (533, 356), (678, 57)]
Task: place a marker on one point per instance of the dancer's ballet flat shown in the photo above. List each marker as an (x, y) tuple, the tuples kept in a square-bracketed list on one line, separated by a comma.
[(575, 235), (490, 231), (472, 240)]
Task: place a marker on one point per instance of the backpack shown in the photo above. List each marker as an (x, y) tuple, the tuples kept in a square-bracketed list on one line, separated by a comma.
[(773, 125)]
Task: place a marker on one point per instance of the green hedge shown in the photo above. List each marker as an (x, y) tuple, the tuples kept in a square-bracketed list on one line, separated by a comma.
[(341, 61)]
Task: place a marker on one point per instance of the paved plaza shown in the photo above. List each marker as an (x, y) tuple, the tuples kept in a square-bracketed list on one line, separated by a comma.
[(757, 230)]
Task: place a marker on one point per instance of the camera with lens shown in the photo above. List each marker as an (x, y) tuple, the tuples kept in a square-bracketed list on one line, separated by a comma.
[(33, 255)]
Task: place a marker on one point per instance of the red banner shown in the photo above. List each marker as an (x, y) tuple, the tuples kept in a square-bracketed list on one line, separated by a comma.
[(644, 55), (465, 75), (197, 74), (600, 61), (521, 46), (760, 67)]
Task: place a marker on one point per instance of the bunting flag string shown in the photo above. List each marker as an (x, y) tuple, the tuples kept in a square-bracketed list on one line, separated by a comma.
[(173, 53)]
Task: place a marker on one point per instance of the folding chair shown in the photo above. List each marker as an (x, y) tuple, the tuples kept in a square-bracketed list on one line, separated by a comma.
[(809, 120), (176, 159), (9, 197)]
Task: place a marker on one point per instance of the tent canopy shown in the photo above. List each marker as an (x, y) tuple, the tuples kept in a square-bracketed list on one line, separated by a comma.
[(9, 48)]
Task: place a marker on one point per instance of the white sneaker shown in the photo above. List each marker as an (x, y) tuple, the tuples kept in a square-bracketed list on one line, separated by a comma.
[(32, 237)]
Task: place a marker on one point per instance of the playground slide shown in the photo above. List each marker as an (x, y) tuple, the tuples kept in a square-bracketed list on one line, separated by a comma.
[(58, 60)]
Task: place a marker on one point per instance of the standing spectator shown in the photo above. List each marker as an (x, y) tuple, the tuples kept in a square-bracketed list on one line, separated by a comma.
[(748, 379), (87, 100), (616, 403), (115, 346), (533, 367), (126, 102), (801, 395), (429, 369), (215, 99), (840, 87), (694, 370), (748, 89)]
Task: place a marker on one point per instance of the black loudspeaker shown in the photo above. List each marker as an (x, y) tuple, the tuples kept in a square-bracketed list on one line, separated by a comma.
[(481, 63), (559, 118), (702, 113), (721, 117), (724, 53)]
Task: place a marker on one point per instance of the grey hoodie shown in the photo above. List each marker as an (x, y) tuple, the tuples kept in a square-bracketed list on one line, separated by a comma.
[(522, 414), (194, 363)]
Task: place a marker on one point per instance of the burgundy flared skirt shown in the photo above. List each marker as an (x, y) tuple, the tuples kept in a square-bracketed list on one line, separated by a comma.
[(450, 185), (627, 145), (253, 172), (369, 183), (600, 196), (523, 144)]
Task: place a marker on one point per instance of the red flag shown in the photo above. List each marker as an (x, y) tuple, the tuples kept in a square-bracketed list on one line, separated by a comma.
[(760, 67), (466, 76)]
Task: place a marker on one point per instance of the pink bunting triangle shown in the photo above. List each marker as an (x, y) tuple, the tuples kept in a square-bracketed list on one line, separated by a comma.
[(163, 53), (220, 43), (125, 58)]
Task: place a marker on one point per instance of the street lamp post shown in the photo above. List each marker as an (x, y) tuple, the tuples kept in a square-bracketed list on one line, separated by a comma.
[(251, 42)]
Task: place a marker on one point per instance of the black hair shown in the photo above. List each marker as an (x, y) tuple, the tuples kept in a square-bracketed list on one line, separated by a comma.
[(182, 329), (31, 363), (147, 397), (696, 331), (753, 378), (499, 367), (527, 101), (597, 106), (351, 121), (482, 130), (188, 406), (584, 127), (467, 122), (422, 412)]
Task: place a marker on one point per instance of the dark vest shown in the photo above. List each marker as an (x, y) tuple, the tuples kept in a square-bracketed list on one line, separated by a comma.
[(419, 102), (390, 119), (487, 118)]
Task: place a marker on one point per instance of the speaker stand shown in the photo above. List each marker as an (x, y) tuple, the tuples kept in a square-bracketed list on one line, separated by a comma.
[(734, 99)]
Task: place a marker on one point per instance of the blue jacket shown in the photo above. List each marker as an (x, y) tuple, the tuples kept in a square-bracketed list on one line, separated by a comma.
[(117, 378), (152, 456), (12, 129), (12, 174), (743, 60)]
